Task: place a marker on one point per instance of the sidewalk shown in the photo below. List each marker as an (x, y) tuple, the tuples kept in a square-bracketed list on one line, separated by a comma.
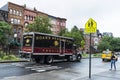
[(107, 75)]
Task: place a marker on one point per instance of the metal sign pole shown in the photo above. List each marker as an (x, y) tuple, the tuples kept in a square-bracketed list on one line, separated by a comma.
[(90, 27), (90, 59)]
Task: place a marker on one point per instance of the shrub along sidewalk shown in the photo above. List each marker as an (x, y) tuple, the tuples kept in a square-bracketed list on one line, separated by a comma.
[(96, 55), (9, 58)]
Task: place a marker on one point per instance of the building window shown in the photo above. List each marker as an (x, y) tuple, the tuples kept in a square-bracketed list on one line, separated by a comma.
[(18, 21), (31, 18), (20, 13), (17, 13), (26, 24), (61, 24), (19, 30), (15, 30), (14, 11), (10, 11), (15, 21), (12, 20), (25, 17)]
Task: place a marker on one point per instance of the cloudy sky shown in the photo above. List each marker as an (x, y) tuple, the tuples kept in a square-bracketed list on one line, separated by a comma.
[(77, 12)]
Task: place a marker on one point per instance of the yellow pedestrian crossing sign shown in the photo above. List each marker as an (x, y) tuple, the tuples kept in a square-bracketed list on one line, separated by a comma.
[(90, 26)]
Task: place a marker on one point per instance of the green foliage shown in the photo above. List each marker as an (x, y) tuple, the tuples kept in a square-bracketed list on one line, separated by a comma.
[(2, 54), (3, 57), (82, 43), (10, 57), (41, 24), (110, 43), (97, 55), (85, 55), (104, 45), (115, 43), (63, 31), (76, 35), (74, 29), (6, 58), (5, 31)]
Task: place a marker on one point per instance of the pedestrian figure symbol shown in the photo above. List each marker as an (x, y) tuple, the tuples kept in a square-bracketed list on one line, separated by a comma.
[(90, 26)]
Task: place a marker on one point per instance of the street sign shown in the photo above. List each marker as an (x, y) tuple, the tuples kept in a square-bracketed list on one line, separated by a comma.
[(90, 26)]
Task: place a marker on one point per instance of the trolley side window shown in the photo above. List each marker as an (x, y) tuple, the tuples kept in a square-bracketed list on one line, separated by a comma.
[(46, 41)]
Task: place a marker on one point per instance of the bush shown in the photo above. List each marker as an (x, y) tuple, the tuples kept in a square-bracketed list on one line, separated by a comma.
[(13, 57), (0, 59), (97, 55), (5, 58), (84, 55), (2, 54), (10, 57)]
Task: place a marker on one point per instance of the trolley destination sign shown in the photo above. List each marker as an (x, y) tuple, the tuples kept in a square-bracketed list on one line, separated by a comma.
[(90, 26)]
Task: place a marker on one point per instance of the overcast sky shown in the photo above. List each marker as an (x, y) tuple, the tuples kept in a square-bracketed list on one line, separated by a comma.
[(77, 12)]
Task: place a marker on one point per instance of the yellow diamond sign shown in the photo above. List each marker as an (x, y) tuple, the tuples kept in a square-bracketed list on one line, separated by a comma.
[(90, 26)]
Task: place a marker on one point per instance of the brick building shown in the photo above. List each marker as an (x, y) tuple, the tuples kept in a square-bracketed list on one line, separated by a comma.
[(19, 16), (95, 39), (28, 16), (57, 24)]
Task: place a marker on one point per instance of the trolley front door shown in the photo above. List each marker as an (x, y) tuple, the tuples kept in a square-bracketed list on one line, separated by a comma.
[(62, 47)]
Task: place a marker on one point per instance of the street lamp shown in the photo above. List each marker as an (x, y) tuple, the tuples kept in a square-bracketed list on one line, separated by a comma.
[(15, 37)]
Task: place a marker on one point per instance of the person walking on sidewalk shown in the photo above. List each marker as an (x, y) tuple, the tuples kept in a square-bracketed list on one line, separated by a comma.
[(113, 61)]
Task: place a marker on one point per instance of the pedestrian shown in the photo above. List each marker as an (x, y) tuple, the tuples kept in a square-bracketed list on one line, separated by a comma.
[(113, 61)]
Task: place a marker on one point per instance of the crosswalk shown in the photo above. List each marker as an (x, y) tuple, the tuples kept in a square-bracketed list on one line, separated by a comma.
[(37, 67)]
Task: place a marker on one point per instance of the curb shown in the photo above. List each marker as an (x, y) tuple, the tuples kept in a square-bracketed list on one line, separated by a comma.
[(9, 61)]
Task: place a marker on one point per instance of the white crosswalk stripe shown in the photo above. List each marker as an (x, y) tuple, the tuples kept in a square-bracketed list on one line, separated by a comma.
[(43, 68), (37, 67)]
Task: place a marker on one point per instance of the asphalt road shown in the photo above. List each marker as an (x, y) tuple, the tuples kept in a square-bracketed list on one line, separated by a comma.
[(56, 71)]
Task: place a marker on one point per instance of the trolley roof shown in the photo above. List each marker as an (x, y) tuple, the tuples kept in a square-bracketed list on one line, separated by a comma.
[(28, 33)]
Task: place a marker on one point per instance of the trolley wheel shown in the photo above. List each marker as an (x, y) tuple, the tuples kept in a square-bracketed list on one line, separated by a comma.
[(49, 59), (37, 60), (79, 57)]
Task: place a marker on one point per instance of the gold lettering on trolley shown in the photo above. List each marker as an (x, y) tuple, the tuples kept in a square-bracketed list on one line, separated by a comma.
[(27, 44), (27, 36)]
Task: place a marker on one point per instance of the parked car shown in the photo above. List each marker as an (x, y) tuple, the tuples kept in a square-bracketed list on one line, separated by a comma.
[(106, 55)]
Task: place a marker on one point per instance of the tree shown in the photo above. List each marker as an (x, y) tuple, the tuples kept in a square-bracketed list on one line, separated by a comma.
[(62, 31), (76, 35), (41, 24), (106, 43), (74, 29), (115, 43), (5, 32), (82, 44)]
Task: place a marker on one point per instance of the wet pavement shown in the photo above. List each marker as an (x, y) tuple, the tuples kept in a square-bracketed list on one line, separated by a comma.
[(107, 75), (59, 71)]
